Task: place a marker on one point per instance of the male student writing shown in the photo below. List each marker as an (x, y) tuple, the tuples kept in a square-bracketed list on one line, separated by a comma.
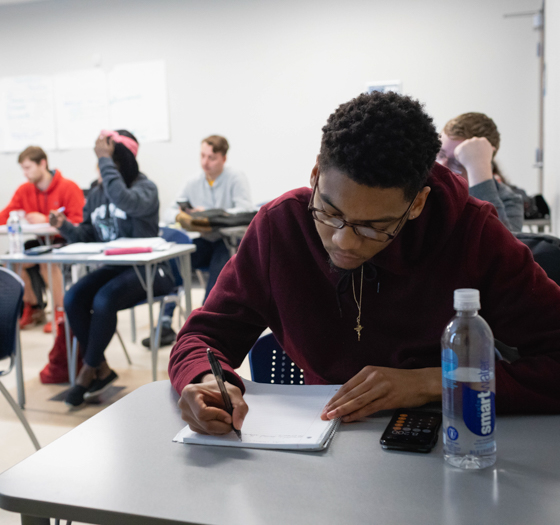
[(355, 277)]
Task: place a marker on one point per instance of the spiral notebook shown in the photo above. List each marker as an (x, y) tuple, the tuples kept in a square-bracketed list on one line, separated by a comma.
[(284, 417)]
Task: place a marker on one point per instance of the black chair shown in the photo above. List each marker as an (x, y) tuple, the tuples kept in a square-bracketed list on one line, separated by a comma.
[(270, 364), (546, 252), (11, 292)]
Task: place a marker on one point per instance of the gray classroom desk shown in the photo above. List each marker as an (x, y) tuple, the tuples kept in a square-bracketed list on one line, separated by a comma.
[(147, 260), (121, 467)]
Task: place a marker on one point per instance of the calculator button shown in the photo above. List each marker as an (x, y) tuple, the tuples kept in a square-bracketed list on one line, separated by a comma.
[(406, 429), (426, 430), (415, 430)]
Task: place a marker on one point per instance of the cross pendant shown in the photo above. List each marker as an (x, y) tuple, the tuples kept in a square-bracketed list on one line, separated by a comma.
[(358, 328)]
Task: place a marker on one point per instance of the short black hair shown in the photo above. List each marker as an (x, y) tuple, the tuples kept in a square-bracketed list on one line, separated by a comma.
[(382, 140)]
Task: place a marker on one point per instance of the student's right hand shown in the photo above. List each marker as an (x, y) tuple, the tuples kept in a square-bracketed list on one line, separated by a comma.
[(203, 409), (476, 154)]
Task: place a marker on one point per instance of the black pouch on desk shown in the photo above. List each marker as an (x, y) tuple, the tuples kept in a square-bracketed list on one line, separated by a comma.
[(218, 218), (39, 250)]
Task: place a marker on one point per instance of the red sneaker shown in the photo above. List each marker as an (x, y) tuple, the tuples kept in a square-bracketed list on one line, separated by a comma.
[(58, 317), (31, 317), (56, 370)]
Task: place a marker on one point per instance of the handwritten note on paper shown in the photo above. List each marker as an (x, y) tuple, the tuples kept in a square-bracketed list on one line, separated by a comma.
[(138, 100), (27, 113), (82, 107)]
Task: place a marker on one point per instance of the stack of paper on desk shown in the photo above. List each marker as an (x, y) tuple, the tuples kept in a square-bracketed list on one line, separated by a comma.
[(155, 243), (81, 247), (280, 417)]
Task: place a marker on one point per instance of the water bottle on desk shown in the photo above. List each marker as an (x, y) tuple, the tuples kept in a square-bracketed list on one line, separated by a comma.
[(468, 393), (15, 237)]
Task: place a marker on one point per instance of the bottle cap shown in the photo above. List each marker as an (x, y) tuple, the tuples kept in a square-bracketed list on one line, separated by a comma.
[(14, 213), (466, 299)]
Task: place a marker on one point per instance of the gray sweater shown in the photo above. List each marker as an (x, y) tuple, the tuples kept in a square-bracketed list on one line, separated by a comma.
[(508, 204), (112, 210), (229, 192)]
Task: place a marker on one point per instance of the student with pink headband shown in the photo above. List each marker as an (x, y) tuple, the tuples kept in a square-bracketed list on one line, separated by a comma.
[(124, 204)]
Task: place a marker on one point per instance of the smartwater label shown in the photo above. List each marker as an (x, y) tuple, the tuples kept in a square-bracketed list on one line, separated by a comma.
[(478, 411)]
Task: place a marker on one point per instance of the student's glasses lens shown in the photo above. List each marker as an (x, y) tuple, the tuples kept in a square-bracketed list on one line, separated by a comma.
[(370, 233), (364, 231), (327, 219)]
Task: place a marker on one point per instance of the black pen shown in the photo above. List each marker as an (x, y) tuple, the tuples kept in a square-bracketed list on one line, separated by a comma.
[(219, 375)]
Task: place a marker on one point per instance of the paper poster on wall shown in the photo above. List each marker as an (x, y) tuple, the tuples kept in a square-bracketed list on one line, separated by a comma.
[(2, 121), (27, 113), (138, 100), (82, 108), (384, 86)]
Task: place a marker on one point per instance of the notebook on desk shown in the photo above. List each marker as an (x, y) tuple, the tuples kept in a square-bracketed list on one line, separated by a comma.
[(280, 417)]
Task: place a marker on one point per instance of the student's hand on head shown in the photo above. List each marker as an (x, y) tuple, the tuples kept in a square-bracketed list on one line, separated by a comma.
[(203, 409), (475, 154), (104, 147), (377, 388), (56, 218), (35, 217)]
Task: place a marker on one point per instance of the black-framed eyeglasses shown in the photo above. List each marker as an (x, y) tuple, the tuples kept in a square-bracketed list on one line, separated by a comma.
[(369, 232)]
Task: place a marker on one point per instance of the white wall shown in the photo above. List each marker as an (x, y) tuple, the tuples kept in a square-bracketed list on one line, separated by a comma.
[(267, 74), (552, 111)]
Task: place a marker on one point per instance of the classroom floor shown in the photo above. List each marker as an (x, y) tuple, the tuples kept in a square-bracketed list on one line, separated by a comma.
[(51, 419)]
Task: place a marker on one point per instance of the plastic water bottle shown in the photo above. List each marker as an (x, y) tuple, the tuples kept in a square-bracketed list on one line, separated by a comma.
[(15, 237), (469, 386)]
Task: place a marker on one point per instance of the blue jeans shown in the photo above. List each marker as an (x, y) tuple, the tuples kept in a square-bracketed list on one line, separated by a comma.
[(212, 255), (93, 302)]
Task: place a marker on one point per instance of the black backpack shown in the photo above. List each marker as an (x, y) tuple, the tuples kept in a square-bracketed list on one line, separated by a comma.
[(546, 252)]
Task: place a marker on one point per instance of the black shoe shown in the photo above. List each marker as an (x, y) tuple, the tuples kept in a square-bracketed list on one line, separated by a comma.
[(75, 396), (100, 385), (168, 337)]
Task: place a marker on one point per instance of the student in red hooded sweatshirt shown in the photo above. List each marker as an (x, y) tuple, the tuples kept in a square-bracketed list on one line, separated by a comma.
[(45, 190)]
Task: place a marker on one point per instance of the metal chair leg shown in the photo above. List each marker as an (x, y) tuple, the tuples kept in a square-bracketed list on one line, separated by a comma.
[(132, 325), (201, 278), (123, 347), (20, 415)]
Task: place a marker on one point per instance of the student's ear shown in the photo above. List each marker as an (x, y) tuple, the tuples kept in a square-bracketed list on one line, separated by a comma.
[(314, 173), (419, 203), (43, 163)]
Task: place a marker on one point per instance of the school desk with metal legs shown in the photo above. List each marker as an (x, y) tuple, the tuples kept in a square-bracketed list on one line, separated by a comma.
[(121, 467), (147, 260)]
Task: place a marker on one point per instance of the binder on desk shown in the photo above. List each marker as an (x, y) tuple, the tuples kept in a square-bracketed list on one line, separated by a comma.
[(286, 417)]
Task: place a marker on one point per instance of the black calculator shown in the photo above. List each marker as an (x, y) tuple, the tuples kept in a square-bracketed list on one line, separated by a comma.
[(412, 430)]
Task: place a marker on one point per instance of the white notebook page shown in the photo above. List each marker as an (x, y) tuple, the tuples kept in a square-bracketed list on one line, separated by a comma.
[(280, 416)]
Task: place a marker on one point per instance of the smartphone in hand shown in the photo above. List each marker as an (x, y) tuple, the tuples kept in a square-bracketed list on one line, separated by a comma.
[(185, 205)]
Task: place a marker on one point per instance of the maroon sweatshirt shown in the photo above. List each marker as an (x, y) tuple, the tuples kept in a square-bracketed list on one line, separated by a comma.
[(281, 278)]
